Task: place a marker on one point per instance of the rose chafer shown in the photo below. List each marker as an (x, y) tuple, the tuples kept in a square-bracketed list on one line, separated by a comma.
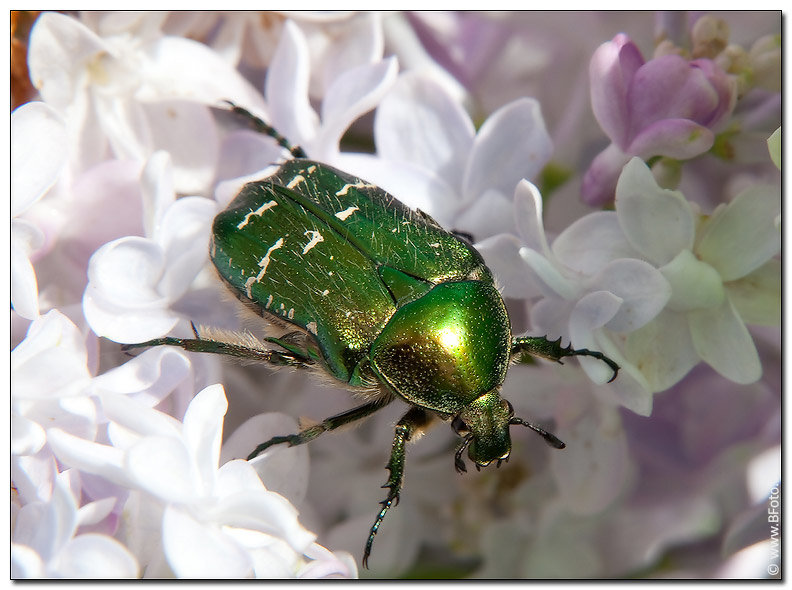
[(380, 297)]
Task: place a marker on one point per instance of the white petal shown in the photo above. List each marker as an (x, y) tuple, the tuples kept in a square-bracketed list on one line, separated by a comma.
[(354, 41), (658, 223), (188, 132), (181, 68), (39, 149), (512, 144), (203, 430), (592, 242), (27, 437), (352, 95), (60, 51), (95, 512), (490, 214), (512, 276), (642, 289), (184, 237), (122, 301), (25, 562), (757, 296), (287, 87), (148, 378), (662, 349), (51, 360), (281, 468), (163, 467), (95, 556), (418, 122), (742, 237), (550, 274), (197, 550), (24, 287), (88, 456), (694, 283), (138, 419), (528, 217), (724, 343)]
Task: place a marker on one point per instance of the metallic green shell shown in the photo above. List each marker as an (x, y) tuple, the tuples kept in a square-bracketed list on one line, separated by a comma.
[(333, 255)]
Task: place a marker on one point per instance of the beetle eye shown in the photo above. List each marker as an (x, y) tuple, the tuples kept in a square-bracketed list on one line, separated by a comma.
[(459, 426)]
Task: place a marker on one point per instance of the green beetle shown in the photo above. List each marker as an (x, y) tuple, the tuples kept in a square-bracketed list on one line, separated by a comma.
[(380, 297)]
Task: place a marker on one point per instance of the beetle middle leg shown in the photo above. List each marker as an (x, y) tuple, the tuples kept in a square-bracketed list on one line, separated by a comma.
[(552, 350), (414, 420), (310, 433)]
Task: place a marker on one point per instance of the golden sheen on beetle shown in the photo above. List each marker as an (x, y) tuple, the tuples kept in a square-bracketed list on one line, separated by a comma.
[(355, 284)]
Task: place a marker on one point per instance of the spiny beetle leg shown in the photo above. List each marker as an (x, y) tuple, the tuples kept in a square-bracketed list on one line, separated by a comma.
[(552, 350), (310, 433), (415, 419), (275, 357), (262, 127)]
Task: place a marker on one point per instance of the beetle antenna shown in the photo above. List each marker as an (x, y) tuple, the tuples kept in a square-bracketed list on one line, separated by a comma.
[(550, 439), (259, 125)]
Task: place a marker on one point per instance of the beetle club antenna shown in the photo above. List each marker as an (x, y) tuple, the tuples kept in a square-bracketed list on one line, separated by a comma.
[(550, 439)]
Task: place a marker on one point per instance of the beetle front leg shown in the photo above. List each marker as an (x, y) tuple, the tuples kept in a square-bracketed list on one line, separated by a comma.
[(308, 434), (414, 420), (552, 350)]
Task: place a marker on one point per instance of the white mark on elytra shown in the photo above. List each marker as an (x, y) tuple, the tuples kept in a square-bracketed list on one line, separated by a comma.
[(330, 274), (269, 302), (342, 215), (316, 237), (311, 327), (290, 315), (394, 230), (345, 189), (325, 292), (311, 169), (256, 213), (263, 263), (295, 181)]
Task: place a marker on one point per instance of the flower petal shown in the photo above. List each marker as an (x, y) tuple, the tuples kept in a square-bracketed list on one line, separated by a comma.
[(694, 284), (512, 144), (657, 222), (513, 278), (590, 313), (419, 122), (196, 550), (528, 217), (24, 286), (95, 556), (681, 139), (287, 87), (642, 289), (352, 95), (662, 349), (724, 343), (39, 150), (592, 242), (742, 236), (203, 429), (611, 70), (757, 296)]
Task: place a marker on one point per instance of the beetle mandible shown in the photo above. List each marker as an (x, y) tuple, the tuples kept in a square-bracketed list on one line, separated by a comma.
[(379, 296)]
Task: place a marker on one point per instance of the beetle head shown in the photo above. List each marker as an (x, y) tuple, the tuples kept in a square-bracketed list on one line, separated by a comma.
[(484, 426)]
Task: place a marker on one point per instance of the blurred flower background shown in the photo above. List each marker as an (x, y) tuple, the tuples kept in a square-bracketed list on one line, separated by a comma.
[(619, 172)]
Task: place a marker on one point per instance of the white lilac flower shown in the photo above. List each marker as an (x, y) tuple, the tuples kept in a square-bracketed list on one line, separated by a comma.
[(131, 91), (47, 542), (353, 93), (133, 281), (38, 154), (431, 157), (52, 387), (337, 40), (211, 520)]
